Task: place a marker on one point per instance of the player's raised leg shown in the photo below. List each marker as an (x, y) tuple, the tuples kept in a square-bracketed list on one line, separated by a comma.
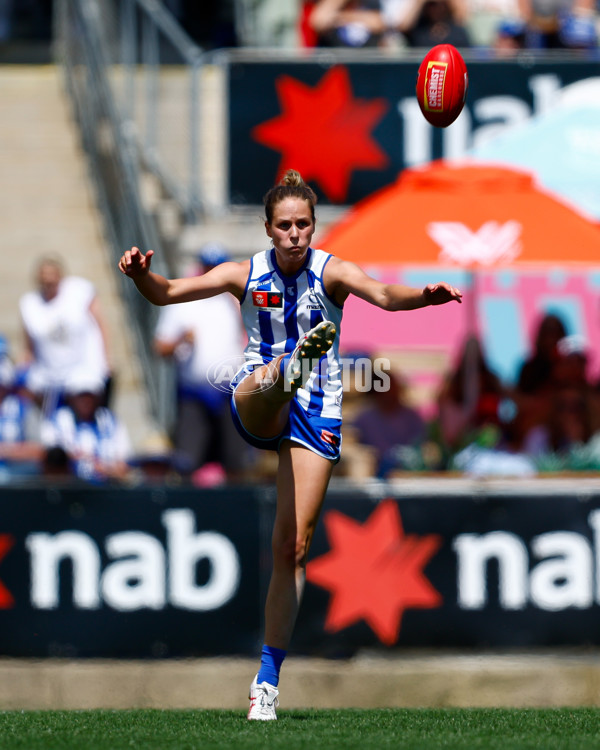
[(262, 398)]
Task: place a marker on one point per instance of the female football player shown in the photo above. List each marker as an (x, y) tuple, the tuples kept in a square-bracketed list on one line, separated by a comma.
[(288, 395)]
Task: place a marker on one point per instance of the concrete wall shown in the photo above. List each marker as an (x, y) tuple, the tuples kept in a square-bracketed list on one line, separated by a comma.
[(414, 680)]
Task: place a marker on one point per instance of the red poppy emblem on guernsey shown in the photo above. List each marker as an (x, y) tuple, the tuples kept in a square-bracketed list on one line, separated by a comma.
[(267, 299)]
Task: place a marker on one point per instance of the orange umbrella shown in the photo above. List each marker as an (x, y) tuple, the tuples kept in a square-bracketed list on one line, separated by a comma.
[(464, 215)]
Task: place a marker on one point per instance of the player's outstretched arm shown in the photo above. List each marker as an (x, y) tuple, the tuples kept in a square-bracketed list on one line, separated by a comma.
[(343, 278), (226, 277), (136, 265)]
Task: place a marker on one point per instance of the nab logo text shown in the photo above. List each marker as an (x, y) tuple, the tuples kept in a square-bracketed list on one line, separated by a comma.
[(142, 575)]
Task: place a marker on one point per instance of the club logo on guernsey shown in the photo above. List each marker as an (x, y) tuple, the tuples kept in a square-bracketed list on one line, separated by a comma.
[(270, 301)]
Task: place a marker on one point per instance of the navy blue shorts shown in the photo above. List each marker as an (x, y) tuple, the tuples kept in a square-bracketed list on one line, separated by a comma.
[(322, 435)]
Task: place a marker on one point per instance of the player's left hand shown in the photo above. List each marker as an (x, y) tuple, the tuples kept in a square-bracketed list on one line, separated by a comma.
[(439, 294)]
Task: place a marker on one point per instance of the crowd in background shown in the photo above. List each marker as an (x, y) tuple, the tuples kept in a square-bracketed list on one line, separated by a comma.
[(56, 406), (548, 421), (505, 26), (57, 420)]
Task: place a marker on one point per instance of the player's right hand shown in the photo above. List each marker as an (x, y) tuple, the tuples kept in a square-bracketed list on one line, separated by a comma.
[(134, 263)]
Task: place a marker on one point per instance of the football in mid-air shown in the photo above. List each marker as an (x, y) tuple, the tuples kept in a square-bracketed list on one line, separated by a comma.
[(442, 83)]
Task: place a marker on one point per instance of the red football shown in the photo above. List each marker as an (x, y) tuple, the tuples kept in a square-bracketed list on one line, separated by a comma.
[(442, 83)]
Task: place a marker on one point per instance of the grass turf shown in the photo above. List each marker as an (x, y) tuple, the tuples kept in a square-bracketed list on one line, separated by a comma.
[(413, 729)]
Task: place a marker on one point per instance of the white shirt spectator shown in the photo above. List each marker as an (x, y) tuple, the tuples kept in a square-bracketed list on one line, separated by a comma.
[(394, 12), (484, 18), (64, 334), (214, 328)]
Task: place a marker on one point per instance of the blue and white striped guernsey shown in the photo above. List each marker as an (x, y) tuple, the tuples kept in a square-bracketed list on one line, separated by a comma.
[(277, 309)]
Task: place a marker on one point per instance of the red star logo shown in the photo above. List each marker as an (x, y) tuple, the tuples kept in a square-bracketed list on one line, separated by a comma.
[(324, 132), (275, 299), (374, 571), (6, 598)]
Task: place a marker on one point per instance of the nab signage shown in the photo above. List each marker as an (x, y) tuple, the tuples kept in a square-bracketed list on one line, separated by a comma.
[(456, 571), (183, 572), (141, 574), (350, 128), (129, 573)]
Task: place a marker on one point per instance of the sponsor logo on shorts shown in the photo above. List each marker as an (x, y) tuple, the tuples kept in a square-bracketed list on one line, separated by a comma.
[(330, 438)]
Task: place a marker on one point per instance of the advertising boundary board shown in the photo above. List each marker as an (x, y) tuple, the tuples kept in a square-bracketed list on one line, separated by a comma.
[(351, 124), (148, 572)]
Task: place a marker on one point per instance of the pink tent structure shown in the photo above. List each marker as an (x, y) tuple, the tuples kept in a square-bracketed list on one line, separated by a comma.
[(515, 250)]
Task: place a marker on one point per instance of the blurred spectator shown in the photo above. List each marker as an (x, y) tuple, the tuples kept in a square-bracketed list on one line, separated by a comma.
[(488, 22), (569, 424), (431, 22), (96, 442), (348, 23), (536, 371), (269, 23), (535, 382), (578, 25), (510, 37), (204, 337), (64, 332), (470, 399), (570, 366), (542, 23), (388, 421), (496, 461), (353, 23), (20, 447), (566, 413), (555, 24), (153, 462), (579, 32)]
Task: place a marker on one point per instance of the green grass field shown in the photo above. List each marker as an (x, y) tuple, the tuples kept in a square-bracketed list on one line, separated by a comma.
[(386, 728)]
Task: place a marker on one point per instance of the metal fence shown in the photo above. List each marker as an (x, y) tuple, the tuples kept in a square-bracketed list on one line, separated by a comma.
[(154, 72), (85, 44), (157, 80)]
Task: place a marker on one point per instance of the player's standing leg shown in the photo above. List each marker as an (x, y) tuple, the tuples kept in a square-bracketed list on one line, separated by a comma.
[(302, 481)]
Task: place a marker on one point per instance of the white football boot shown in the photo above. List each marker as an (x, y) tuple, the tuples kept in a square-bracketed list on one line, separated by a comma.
[(263, 701), (309, 350)]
